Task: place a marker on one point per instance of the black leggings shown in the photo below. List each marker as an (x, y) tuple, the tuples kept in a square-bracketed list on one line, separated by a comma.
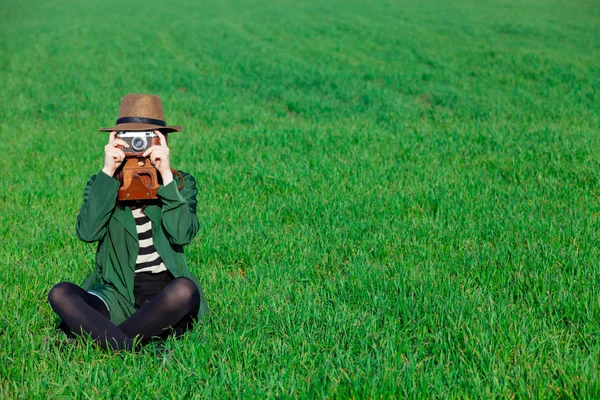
[(172, 310)]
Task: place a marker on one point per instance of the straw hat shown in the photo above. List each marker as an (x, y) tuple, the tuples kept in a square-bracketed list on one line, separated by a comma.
[(141, 112)]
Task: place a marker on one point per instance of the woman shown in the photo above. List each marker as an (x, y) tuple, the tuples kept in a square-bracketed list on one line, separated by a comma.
[(141, 287)]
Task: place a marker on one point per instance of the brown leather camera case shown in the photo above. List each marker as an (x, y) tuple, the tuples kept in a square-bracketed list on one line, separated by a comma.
[(139, 182)]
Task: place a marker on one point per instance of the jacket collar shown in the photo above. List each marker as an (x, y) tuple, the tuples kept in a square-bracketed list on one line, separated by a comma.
[(125, 217)]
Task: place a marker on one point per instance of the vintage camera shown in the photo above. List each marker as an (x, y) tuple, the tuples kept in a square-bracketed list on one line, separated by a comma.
[(140, 179), (138, 142)]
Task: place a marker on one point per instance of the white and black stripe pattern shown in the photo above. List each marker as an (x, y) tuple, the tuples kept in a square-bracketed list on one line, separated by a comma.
[(148, 259)]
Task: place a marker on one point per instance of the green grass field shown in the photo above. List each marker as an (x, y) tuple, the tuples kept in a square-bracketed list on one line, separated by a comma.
[(397, 198)]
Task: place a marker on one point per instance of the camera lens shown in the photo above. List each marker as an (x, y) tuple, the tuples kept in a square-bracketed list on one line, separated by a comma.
[(138, 143)]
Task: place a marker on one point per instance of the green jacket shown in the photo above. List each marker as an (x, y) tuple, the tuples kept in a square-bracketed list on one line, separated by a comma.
[(174, 224)]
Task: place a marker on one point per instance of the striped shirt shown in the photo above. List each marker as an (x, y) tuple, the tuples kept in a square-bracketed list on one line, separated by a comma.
[(148, 259)]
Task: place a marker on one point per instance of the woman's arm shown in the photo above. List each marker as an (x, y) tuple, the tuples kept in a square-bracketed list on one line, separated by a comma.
[(99, 200), (179, 207), (179, 218), (100, 194)]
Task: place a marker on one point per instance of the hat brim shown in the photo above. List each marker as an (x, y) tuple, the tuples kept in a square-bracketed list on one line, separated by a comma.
[(131, 126)]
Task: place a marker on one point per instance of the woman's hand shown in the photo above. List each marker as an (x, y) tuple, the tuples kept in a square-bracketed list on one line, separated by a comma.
[(159, 157), (113, 155)]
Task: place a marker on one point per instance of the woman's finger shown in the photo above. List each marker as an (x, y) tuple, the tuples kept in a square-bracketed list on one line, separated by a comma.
[(116, 157), (150, 149), (113, 134), (114, 150), (163, 140), (156, 156), (110, 151), (118, 142)]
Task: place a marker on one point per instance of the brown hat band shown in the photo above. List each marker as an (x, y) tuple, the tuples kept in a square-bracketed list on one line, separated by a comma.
[(141, 120)]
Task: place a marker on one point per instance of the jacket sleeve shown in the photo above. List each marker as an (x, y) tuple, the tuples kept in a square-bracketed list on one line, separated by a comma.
[(179, 210), (99, 200)]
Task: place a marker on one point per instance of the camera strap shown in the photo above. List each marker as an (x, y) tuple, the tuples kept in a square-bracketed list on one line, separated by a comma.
[(180, 176)]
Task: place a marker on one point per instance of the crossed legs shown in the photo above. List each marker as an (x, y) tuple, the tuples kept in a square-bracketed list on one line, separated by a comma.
[(174, 307)]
